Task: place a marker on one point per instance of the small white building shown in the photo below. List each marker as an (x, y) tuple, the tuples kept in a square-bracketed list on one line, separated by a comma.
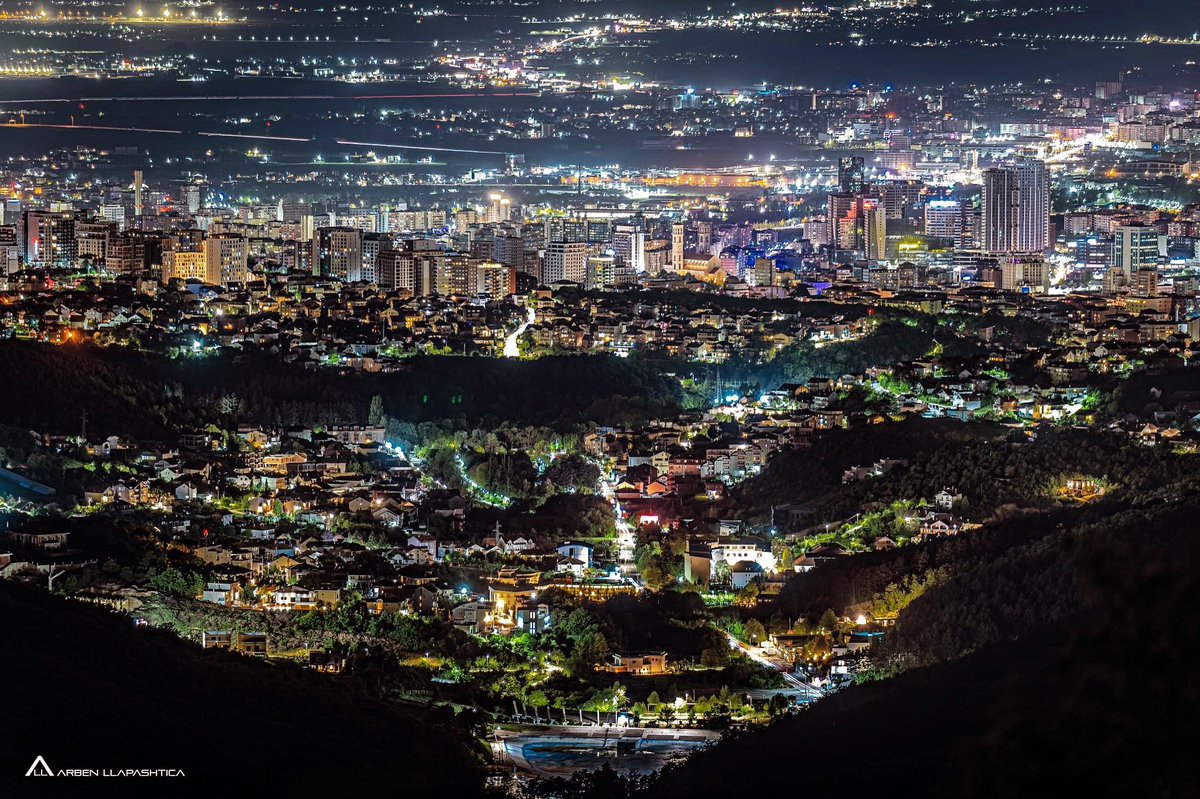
[(576, 550)]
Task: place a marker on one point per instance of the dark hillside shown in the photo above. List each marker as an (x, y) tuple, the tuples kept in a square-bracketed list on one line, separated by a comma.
[(84, 689)]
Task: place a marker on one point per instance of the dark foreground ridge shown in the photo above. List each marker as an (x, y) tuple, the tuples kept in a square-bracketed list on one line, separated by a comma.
[(83, 689)]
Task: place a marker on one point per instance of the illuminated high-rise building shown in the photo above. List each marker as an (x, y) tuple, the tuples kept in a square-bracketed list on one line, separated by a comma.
[(999, 201), (49, 238), (10, 250), (845, 222), (192, 197), (874, 230), (500, 210), (1033, 206), (395, 271), (763, 272), (184, 265), (1136, 251), (225, 259), (509, 249), (456, 274), (496, 280), (92, 241), (337, 252), (629, 244), (11, 211), (851, 174), (944, 219), (291, 211), (1025, 272), (1016, 208), (372, 245), (565, 260)]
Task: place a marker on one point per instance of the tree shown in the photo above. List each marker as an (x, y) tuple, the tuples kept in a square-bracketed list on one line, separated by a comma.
[(174, 581), (654, 567), (375, 415), (720, 572), (755, 632), (590, 649), (749, 592), (828, 622), (350, 616)]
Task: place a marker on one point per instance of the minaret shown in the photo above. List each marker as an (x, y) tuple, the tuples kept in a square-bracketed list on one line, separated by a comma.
[(137, 192)]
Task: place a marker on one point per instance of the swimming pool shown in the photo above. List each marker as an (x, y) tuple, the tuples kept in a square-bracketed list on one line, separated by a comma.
[(557, 755)]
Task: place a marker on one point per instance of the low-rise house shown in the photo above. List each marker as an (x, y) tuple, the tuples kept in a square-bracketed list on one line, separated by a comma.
[(641, 664), (292, 597), (745, 572), (47, 542), (326, 662), (473, 617), (252, 643), (945, 499), (221, 593)]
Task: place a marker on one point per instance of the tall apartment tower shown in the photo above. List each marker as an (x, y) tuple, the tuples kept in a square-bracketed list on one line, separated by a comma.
[(509, 249), (1033, 206), (192, 198), (565, 260), (1000, 200), (49, 238), (372, 245), (845, 221), (1016, 208), (851, 174), (225, 259), (629, 243), (292, 211), (874, 230), (456, 273), (337, 252), (395, 270), (944, 219), (1136, 249)]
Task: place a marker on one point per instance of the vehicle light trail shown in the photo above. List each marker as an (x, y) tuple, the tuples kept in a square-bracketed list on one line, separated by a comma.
[(149, 130), (419, 147), (253, 136), (86, 127)]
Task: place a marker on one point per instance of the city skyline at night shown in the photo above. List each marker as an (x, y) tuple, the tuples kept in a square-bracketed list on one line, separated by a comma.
[(598, 399)]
